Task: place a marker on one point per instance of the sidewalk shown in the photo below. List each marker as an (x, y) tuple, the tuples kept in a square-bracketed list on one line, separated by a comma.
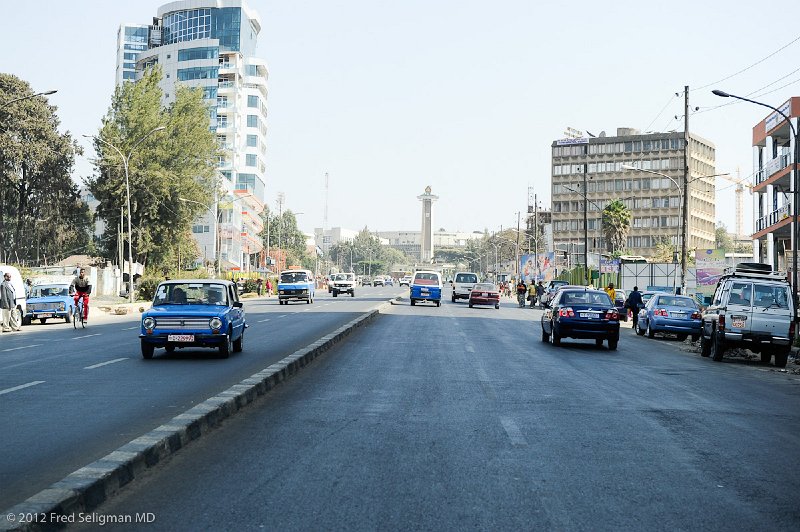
[(118, 305)]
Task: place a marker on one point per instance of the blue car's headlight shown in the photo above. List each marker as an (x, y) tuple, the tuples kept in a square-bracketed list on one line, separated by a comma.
[(149, 323), (215, 323)]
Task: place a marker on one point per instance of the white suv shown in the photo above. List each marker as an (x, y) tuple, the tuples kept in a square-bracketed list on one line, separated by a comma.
[(462, 285)]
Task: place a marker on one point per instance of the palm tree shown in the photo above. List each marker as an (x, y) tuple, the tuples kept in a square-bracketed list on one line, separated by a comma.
[(616, 224)]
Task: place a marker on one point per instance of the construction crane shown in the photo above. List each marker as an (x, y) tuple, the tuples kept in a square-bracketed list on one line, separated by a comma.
[(741, 184)]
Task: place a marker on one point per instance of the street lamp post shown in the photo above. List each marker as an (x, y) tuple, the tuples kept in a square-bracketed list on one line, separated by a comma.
[(28, 97), (683, 210), (795, 185), (125, 161)]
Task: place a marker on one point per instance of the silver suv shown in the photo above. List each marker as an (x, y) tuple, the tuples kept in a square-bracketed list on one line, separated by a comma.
[(751, 308)]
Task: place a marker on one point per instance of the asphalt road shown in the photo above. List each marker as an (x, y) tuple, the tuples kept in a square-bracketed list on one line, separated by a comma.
[(70, 397), (453, 418)]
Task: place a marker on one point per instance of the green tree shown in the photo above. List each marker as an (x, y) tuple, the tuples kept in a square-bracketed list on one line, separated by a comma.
[(41, 214), (281, 233), (165, 169), (723, 238), (616, 224)]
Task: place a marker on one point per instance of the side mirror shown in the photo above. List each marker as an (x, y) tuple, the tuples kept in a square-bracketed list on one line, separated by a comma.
[(238, 304)]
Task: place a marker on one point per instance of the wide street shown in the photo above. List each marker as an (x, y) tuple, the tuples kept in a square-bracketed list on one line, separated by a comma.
[(441, 419), (69, 397)]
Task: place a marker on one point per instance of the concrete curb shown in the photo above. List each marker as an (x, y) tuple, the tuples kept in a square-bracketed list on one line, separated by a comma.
[(82, 491)]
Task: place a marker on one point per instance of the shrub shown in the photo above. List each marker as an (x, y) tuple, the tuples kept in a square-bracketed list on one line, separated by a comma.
[(147, 287), (250, 285)]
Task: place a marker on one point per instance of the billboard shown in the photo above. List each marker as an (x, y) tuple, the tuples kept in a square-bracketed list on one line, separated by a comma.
[(711, 266), (609, 265), (537, 267)]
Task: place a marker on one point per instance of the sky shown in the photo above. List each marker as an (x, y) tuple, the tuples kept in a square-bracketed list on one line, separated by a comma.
[(463, 96)]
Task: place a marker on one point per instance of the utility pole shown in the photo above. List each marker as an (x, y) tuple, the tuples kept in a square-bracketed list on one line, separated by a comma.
[(685, 186), (586, 218), (517, 254)]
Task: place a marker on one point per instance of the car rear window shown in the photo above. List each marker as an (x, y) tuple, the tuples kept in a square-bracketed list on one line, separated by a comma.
[(673, 301), (485, 287), (770, 296), (466, 278), (585, 298), (426, 278)]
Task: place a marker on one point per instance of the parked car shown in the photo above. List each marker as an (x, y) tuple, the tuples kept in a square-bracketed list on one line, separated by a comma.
[(751, 308), (194, 313), (665, 313), (426, 286), (484, 294), (581, 313), (619, 301), (463, 283), (552, 287), (296, 285), (49, 301)]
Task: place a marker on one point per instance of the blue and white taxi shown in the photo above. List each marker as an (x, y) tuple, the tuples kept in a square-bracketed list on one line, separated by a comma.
[(47, 301), (426, 286), (194, 313), (296, 285)]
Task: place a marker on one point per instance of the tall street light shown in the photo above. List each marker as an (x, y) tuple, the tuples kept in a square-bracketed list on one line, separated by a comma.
[(682, 213), (28, 97), (795, 184), (125, 161)]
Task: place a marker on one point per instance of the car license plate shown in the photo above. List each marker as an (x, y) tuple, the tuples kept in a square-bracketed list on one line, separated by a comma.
[(738, 323), (484, 295), (424, 290), (678, 314), (587, 315), (180, 338), (44, 315)]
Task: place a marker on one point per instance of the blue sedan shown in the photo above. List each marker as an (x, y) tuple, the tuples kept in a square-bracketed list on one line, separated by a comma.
[(665, 313), (581, 313), (194, 313), (49, 301)]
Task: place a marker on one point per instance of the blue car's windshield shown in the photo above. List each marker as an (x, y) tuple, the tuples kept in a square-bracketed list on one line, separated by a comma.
[(50, 290), (200, 293), (293, 277)]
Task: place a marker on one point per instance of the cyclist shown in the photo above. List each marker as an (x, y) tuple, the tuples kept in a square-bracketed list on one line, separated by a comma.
[(521, 291), (82, 288)]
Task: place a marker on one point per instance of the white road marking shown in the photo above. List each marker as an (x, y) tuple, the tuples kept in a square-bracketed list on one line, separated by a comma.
[(131, 328), (513, 432), (20, 387), (283, 315), (105, 363), (469, 348), (22, 347), (86, 336), (262, 321)]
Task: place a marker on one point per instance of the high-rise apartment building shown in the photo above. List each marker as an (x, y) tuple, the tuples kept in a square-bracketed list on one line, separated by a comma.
[(654, 198), (211, 44)]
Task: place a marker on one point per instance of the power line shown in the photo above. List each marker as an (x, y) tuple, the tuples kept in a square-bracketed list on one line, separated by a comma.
[(749, 67)]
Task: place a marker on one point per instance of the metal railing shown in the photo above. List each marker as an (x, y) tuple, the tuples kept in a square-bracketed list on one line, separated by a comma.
[(772, 167), (774, 217)]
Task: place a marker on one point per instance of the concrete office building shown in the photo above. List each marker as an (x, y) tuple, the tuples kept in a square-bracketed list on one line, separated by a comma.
[(410, 242), (211, 44), (773, 190), (654, 201)]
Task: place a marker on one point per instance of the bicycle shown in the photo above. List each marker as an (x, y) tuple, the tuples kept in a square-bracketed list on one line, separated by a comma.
[(77, 315)]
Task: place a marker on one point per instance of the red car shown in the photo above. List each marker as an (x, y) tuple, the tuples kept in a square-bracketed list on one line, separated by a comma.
[(484, 294)]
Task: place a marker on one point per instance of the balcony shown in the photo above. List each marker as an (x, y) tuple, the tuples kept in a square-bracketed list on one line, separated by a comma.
[(772, 167), (774, 217)]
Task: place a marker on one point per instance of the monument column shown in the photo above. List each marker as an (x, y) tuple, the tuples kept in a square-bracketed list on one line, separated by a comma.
[(426, 238)]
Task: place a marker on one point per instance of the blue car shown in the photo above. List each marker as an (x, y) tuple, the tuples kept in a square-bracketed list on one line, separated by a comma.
[(48, 301), (296, 285), (581, 313), (194, 313), (665, 313), (426, 286)]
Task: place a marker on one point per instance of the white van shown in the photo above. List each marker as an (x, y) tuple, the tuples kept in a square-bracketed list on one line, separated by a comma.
[(19, 286)]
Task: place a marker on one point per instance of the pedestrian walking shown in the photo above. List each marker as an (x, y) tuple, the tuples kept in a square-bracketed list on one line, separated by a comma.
[(611, 293), (8, 304), (269, 287), (259, 286), (532, 294), (540, 293), (634, 303)]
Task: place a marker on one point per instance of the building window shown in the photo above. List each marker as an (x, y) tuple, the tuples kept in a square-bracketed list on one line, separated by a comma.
[(252, 141), (252, 101), (252, 120), (251, 159), (203, 52), (186, 74)]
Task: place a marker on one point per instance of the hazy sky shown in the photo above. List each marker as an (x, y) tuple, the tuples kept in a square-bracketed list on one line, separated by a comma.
[(465, 96)]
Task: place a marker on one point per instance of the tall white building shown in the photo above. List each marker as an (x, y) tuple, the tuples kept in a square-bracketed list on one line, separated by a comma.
[(211, 44)]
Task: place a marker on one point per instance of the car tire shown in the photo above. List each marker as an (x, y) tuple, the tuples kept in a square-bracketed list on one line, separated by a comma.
[(612, 343), (470, 305), (695, 337), (781, 358), (598, 342), (238, 344), (639, 329), (335, 294), (497, 306), (68, 317), (453, 299), (717, 347), (169, 348), (766, 356), (682, 337), (353, 293), (27, 321), (555, 336), (413, 302), (545, 336), (438, 303), (705, 346), (42, 320), (650, 332), (226, 348), (147, 350)]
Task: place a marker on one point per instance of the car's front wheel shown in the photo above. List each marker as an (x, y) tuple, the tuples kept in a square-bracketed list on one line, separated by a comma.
[(147, 350), (226, 348), (42, 320), (682, 337), (238, 344)]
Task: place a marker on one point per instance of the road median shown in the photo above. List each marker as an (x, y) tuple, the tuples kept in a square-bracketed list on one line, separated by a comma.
[(84, 490)]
